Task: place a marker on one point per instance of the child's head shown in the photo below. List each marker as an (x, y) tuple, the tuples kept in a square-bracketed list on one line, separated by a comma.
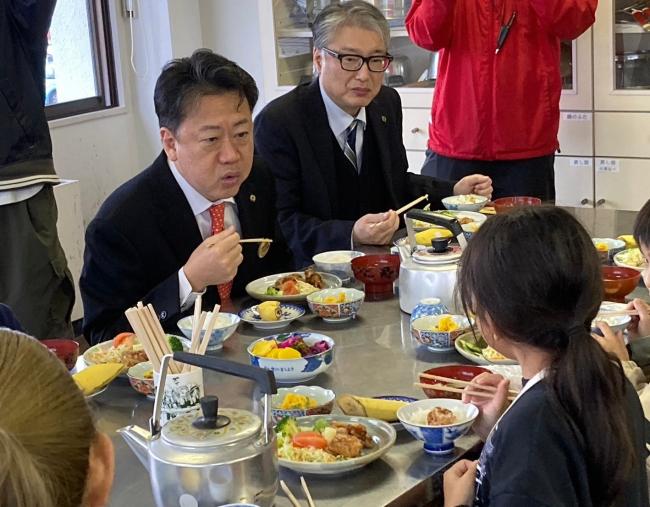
[(50, 453), (533, 278), (532, 274), (642, 237)]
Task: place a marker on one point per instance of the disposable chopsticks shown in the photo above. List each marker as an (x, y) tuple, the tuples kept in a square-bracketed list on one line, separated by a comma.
[(616, 313), (294, 501), (411, 204), (310, 500), (477, 393), (463, 383), (256, 240)]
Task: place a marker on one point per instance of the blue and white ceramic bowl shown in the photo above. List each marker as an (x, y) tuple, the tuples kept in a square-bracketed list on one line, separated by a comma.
[(470, 202), (323, 397), (294, 371), (424, 330), (336, 312), (438, 440), (428, 306), (289, 314), (223, 328)]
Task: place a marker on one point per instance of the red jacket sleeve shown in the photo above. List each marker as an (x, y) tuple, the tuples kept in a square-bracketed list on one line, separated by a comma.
[(567, 19), (429, 23)]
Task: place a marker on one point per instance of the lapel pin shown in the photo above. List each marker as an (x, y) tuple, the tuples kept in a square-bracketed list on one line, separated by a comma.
[(253, 198), (383, 118)]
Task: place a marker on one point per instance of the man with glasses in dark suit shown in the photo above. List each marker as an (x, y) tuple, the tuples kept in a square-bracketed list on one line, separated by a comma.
[(335, 145)]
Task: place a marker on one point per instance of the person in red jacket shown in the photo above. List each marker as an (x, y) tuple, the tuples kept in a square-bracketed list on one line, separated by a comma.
[(496, 103)]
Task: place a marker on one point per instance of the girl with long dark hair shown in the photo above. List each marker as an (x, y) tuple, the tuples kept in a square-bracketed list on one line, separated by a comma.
[(574, 435)]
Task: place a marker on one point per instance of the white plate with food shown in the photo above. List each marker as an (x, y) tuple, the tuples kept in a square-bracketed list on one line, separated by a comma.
[(630, 258), (478, 351), (291, 287), (332, 444), (125, 348)]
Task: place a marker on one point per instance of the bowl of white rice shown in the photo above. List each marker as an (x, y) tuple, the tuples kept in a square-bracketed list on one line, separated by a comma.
[(224, 327), (438, 422)]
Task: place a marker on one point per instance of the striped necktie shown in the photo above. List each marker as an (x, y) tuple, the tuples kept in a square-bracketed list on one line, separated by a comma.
[(350, 148), (217, 212)]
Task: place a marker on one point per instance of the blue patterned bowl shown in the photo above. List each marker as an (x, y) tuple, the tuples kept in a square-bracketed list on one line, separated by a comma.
[(336, 312), (223, 328), (293, 371), (423, 330), (428, 306), (438, 440)]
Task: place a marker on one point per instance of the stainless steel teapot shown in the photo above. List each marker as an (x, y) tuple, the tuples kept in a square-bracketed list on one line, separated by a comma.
[(223, 456)]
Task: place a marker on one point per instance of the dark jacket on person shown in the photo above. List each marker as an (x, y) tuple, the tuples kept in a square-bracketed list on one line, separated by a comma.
[(25, 144), (146, 231), (320, 195)]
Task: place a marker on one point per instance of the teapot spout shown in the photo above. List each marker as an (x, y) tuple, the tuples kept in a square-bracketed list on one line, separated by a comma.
[(138, 440)]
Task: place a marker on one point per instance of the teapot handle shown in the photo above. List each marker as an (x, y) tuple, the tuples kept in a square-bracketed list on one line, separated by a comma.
[(436, 219), (265, 378)]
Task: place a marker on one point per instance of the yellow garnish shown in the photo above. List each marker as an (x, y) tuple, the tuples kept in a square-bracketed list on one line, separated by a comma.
[(293, 401), (446, 324), (288, 353), (264, 348), (95, 377), (602, 247)]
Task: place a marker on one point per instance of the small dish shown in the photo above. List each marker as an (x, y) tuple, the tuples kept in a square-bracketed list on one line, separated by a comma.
[(630, 258), (139, 382), (324, 303), (425, 331), (469, 202), (616, 322), (323, 397), (224, 328), (336, 262), (289, 314), (438, 440), (65, 349), (470, 348)]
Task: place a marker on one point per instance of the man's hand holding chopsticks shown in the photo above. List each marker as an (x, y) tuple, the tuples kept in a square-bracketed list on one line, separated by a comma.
[(215, 261), (375, 228)]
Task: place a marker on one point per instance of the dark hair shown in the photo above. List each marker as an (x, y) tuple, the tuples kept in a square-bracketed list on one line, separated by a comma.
[(642, 226), (183, 81), (536, 274)]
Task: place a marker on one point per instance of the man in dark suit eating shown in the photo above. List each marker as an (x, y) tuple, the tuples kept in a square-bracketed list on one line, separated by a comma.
[(173, 231), (335, 145)]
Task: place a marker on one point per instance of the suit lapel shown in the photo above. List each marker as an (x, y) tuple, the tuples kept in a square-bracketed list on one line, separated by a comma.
[(180, 229), (319, 133), (379, 126)]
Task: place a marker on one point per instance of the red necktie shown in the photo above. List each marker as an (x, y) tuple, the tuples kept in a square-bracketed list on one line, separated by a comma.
[(216, 214)]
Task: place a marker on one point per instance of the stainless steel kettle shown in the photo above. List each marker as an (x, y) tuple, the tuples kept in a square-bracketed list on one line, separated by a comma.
[(224, 456)]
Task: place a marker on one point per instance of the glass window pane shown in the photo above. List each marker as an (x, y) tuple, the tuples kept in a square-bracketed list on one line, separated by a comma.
[(632, 44), (69, 68)]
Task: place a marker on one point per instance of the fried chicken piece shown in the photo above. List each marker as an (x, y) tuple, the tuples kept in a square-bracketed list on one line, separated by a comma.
[(356, 430), (345, 445), (131, 358), (313, 278), (439, 416)]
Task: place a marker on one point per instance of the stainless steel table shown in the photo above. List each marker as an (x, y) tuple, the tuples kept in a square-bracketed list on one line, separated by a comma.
[(374, 355)]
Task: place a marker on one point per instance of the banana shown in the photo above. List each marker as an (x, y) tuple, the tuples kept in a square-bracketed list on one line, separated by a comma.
[(386, 410)]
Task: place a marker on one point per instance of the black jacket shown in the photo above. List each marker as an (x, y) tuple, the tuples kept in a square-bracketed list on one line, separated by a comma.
[(145, 231), (293, 136), (25, 145)]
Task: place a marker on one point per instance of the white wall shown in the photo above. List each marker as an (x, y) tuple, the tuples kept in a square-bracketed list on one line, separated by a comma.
[(231, 28)]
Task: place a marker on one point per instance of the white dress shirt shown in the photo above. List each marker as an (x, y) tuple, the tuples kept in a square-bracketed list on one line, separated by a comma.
[(201, 210), (339, 121)]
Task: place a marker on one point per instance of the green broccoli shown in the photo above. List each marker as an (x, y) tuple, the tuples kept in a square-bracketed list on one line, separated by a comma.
[(287, 426), (272, 291), (174, 343)]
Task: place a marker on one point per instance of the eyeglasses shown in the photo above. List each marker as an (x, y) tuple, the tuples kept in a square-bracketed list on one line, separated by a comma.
[(355, 62)]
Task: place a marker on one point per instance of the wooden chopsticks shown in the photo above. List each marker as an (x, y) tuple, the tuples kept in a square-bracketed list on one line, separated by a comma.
[(294, 501), (616, 313), (199, 345), (479, 390), (145, 323), (406, 207), (256, 240)]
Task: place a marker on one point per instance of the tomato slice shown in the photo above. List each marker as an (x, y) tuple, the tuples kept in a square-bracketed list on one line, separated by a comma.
[(290, 288), (123, 338), (309, 439)]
